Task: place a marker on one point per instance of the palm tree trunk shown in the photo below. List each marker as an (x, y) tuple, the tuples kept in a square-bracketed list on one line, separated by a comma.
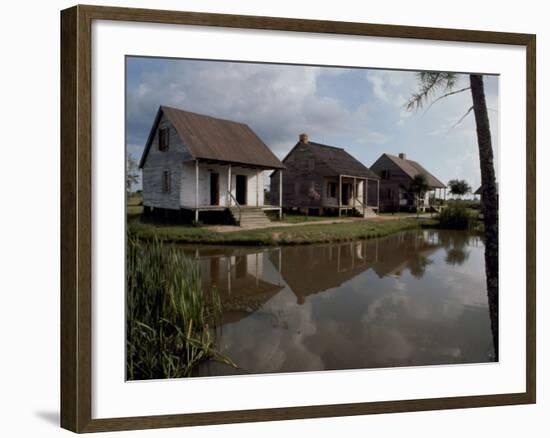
[(489, 198)]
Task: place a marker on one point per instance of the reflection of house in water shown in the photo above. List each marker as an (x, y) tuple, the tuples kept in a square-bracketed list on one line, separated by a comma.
[(243, 280), (309, 270), (312, 269), (405, 251)]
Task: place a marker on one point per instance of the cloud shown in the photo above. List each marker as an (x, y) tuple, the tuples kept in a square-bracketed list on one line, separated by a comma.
[(373, 137), (392, 86), (378, 88), (360, 110), (276, 101)]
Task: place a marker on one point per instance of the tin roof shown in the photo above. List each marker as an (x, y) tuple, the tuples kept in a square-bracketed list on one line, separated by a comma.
[(337, 159), (211, 138), (413, 168)]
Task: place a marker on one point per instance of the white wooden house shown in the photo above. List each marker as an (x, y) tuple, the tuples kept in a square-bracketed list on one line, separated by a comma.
[(197, 163)]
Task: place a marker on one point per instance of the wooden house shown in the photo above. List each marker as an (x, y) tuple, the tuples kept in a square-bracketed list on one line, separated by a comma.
[(193, 163), (322, 179), (396, 173)]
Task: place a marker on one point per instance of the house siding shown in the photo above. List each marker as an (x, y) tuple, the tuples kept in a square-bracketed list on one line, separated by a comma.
[(304, 185), (390, 186), (157, 163)]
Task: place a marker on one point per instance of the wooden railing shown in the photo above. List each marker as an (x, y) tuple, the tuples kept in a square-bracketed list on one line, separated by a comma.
[(236, 203), (364, 205)]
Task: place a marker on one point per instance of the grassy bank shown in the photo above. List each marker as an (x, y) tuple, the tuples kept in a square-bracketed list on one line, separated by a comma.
[(277, 235), (300, 218), (134, 204)]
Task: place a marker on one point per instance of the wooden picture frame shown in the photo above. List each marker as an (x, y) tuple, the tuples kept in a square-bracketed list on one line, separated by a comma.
[(76, 222)]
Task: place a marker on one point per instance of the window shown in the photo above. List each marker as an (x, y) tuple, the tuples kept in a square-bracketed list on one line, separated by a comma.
[(385, 174), (164, 139), (331, 190), (311, 164), (166, 181)]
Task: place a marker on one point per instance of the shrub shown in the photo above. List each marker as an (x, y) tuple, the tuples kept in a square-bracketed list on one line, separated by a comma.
[(456, 217)]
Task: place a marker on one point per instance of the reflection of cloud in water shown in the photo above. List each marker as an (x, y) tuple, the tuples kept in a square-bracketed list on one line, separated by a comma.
[(395, 301)]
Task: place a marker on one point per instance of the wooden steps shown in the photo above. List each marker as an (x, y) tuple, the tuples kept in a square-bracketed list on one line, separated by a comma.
[(249, 217), (369, 212)]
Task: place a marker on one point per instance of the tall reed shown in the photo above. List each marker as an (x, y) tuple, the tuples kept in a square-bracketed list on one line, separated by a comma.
[(170, 320)]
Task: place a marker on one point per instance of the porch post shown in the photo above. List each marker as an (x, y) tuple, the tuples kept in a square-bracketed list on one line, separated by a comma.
[(196, 190), (339, 195), (257, 188), (365, 194), (228, 194), (280, 193), (353, 192), (378, 196)]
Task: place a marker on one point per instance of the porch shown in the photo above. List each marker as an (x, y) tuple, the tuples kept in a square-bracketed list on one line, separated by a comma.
[(431, 200), (218, 186), (353, 194)]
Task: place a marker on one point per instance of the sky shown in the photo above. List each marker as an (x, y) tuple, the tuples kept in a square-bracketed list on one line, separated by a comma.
[(359, 109)]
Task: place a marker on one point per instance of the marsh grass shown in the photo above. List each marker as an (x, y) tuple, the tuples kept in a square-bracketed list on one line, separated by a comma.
[(457, 216), (171, 322)]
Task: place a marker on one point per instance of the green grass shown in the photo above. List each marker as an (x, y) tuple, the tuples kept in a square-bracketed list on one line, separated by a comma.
[(134, 210), (300, 218), (397, 214), (170, 320), (316, 233), (134, 204)]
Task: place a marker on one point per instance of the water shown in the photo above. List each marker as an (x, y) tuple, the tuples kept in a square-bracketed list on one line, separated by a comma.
[(413, 298)]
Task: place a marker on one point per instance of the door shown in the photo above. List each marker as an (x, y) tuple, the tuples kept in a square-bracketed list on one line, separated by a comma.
[(214, 188), (240, 189), (346, 193)]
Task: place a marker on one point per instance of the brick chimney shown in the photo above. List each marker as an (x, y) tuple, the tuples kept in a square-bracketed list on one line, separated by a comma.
[(304, 138), (402, 156)]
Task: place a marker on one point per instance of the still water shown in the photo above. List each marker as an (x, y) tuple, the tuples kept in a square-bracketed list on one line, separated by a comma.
[(413, 298)]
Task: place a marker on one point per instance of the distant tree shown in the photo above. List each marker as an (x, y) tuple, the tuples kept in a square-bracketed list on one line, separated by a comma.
[(418, 187), (132, 173), (459, 187)]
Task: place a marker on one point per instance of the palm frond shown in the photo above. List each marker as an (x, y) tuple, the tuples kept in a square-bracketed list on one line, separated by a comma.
[(450, 93), (462, 118), (429, 83)]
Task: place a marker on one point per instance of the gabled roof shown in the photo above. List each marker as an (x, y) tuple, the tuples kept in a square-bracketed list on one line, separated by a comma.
[(336, 159), (210, 138), (413, 168)]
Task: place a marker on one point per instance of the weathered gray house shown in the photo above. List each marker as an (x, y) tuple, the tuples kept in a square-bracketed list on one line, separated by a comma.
[(396, 174), (195, 163), (322, 179)]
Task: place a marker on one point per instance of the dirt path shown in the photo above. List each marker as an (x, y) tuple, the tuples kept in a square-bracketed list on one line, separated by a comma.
[(232, 228)]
